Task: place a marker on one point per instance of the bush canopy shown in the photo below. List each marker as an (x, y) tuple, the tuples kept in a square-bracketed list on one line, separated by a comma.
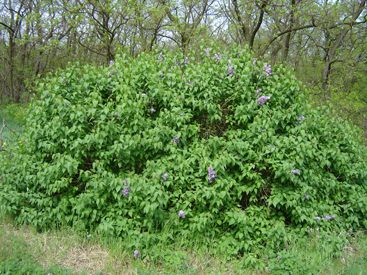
[(213, 144)]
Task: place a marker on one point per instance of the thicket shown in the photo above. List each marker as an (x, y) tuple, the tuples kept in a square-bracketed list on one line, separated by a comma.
[(212, 145)]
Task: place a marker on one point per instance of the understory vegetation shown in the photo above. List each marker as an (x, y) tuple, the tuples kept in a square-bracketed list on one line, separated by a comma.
[(170, 157)]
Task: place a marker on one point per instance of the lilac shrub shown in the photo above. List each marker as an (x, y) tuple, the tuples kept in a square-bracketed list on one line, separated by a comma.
[(123, 155)]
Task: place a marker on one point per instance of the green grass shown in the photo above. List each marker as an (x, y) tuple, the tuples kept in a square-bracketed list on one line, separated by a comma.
[(24, 250), (70, 251), (15, 117)]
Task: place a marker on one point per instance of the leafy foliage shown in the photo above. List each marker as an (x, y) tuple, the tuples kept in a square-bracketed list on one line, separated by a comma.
[(128, 150)]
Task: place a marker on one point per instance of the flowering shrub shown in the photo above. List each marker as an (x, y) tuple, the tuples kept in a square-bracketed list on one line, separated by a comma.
[(96, 147)]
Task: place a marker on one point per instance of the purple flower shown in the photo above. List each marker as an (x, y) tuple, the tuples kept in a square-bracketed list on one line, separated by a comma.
[(181, 214), (269, 146), (176, 140), (267, 70), (263, 99), (189, 83), (301, 117), (207, 51), (230, 71), (126, 191), (152, 110), (111, 63), (170, 71), (160, 57), (136, 254), (212, 174), (306, 197), (186, 61), (181, 114), (165, 176), (274, 147), (116, 114), (143, 94), (217, 57), (254, 62), (229, 61), (125, 182), (162, 74), (258, 91), (295, 172), (318, 218)]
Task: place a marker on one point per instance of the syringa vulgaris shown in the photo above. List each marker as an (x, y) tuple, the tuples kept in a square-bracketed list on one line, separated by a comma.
[(213, 143)]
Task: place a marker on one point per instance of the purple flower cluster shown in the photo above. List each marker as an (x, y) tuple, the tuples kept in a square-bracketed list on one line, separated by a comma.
[(301, 118), (217, 57), (189, 83), (207, 51), (136, 254), (306, 197), (126, 191), (267, 70), (181, 214), (270, 146), (230, 71), (165, 176), (258, 91), (162, 74), (254, 62), (160, 57), (326, 217), (111, 63), (263, 99), (170, 71), (176, 140), (116, 114), (212, 174), (152, 110), (186, 61), (295, 172)]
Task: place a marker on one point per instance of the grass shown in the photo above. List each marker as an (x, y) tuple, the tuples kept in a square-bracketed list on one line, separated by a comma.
[(24, 250), (15, 117)]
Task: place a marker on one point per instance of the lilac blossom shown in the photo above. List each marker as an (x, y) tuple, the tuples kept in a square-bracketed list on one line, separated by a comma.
[(267, 70), (189, 83), (217, 57), (126, 191), (254, 62), (212, 174), (176, 140), (263, 99), (136, 254), (165, 176), (229, 61), (318, 218), (162, 74), (181, 214), (230, 71), (186, 61), (258, 91), (170, 71), (143, 94), (111, 63), (116, 114), (207, 51), (152, 110), (306, 197), (160, 57), (295, 172), (301, 118)]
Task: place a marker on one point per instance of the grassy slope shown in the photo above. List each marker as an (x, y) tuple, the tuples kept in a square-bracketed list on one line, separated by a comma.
[(67, 251)]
